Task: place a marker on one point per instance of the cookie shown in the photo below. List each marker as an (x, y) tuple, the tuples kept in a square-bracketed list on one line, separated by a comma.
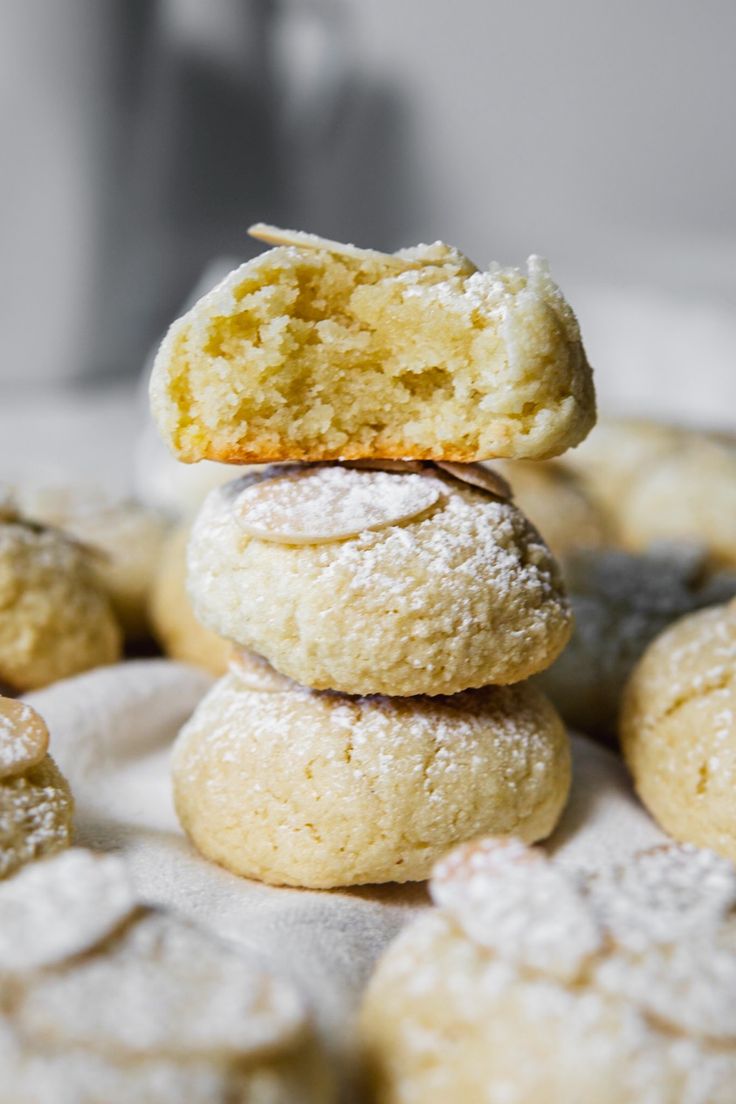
[(319, 351), (402, 581), (621, 601), (663, 484), (538, 985), (135, 1004), (175, 626), (24, 738), (678, 728), (127, 537), (297, 787), (55, 619), (36, 804), (556, 502)]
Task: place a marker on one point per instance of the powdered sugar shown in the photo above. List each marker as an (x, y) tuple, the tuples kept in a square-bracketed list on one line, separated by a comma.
[(24, 738), (325, 504), (522, 907), (60, 907), (113, 999), (35, 816), (657, 931), (162, 987)]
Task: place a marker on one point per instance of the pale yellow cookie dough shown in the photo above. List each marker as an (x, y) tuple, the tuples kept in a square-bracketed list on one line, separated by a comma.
[(411, 583), (141, 1007), (556, 502), (529, 985), (663, 483), (621, 602), (678, 729), (127, 537), (55, 619), (36, 811), (316, 351), (175, 627), (296, 787)]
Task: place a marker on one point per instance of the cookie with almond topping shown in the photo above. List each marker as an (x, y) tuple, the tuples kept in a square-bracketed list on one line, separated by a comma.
[(36, 804), (316, 350), (387, 579), (103, 998), (539, 984)]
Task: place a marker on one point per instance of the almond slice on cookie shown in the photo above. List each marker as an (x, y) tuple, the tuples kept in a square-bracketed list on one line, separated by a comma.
[(322, 505)]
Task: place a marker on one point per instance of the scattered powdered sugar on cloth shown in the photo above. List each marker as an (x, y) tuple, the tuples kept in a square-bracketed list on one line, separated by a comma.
[(111, 734)]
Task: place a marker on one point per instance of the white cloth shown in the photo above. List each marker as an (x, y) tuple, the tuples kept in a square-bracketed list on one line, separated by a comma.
[(111, 734)]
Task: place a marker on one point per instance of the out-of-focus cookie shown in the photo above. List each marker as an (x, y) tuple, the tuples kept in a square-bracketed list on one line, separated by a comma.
[(663, 483), (678, 728), (166, 485), (402, 581), (296, 787), (55, 618), (556, 502), (621, 602), (175, 626), (36, 805), (134, 1004), (127, 536), (537, 985), (319, 351)]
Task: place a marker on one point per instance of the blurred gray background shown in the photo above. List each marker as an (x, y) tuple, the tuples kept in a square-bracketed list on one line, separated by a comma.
[(140, 138)]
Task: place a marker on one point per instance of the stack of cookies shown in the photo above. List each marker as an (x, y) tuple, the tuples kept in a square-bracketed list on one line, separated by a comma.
[(386, 598)]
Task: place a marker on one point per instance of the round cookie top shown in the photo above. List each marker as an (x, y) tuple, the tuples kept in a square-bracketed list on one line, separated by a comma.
[(661, 482), (621, 601), (56, 619), (93, 967), (61, 907), (398, 578), (24, 738), (657, 931), (693, 657)]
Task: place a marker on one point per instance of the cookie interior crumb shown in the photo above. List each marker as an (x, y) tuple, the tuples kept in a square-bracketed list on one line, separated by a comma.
[(302, 354)]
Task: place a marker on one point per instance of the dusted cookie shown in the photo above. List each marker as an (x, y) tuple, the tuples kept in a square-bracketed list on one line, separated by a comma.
[(678, 729), (35, 801), (176, 628), (55, 620), (556, 502), (533, 985), (378, 582), (620, 603), (105, 1000), (296, 787), (127, 536), (663, 483), (320, 351)]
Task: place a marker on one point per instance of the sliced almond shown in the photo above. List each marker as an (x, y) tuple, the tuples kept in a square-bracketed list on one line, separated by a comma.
[(273, 235), (57, 908), (416, 466), (24, 738), (333, 503), (255, 673), (476, 475), (514, 901)]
